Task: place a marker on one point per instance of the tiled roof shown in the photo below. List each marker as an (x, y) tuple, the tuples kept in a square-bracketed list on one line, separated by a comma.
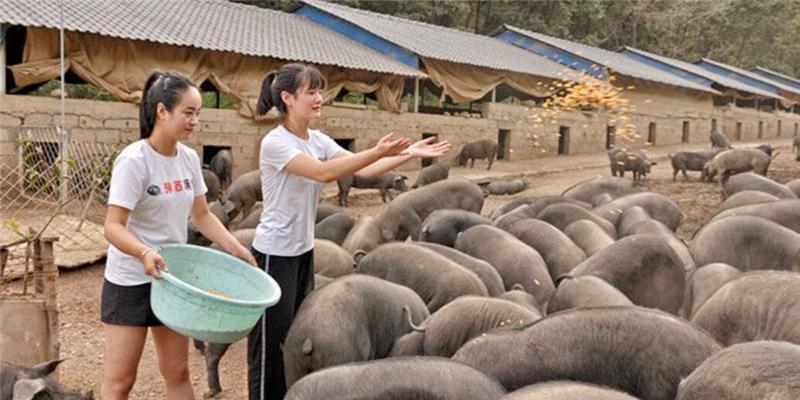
[(206, 24), (753, 76), (446, 44), (696, 70), (620, 63)]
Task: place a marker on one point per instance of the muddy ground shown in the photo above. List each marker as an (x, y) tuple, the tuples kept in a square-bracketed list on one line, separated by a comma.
[(79, 291)]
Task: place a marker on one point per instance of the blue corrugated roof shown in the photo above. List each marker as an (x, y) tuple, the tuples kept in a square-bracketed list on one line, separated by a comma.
[(620, 63), (794, 82), (699, 71), (746, 76), (441, 43)]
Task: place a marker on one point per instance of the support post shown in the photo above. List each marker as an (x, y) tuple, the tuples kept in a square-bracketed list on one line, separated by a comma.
[(494, 94), (45, 257)]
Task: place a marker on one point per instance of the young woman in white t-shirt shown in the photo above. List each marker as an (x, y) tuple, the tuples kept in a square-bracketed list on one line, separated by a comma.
[(156, 186), (295, 162)]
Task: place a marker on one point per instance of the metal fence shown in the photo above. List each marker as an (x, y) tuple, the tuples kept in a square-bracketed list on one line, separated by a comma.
[(57, 190)]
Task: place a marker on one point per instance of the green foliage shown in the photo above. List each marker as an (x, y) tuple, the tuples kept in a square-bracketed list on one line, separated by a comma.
[(74, 91), (225, 101)]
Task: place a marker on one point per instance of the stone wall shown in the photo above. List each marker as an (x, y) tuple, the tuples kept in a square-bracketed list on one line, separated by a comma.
[(671, 110), (585, 132), (742, 124)]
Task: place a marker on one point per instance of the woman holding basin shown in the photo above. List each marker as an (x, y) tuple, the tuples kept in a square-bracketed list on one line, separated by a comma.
[(295, 161), (156, 186)]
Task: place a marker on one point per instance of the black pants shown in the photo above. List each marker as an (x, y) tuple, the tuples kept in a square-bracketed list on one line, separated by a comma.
[(295, 276)]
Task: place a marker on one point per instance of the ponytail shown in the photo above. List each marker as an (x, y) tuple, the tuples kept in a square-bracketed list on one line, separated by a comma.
[(160, 87), (288, 78), (147, 111), (265, 100)]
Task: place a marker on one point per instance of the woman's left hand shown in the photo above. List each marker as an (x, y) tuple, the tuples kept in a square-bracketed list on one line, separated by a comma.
[(244, 254), (426, 148)]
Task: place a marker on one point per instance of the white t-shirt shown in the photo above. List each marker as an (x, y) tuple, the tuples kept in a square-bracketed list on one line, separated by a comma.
[(290, 201), (159, 192)]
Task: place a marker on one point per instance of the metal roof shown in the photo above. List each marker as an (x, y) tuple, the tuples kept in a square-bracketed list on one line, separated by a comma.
[(207, 24), (620, 63), (770, 73), (752, 75), (702, 72), (446, 44)]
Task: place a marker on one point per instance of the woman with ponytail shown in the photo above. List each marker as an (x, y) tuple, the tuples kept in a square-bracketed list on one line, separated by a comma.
[(295, 161), (156, 187)]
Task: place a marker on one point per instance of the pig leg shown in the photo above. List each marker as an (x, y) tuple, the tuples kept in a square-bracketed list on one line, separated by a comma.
[(675, 173), (214, 354), (383, 194), (685, 176), (472, 163)]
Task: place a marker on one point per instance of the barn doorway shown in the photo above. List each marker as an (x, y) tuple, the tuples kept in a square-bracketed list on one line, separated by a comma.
[(685, 135), (428, 161), (760, 129), (347, 143), (738, 131), (780, 127), (210, 151), (714, 125), (503, 144), (611, 133), (651, 133), (563, 140)]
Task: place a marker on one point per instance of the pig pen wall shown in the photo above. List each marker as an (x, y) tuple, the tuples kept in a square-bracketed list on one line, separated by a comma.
[(586, 132)]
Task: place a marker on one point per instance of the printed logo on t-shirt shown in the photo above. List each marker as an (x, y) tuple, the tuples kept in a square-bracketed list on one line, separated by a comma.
[(170, 187)]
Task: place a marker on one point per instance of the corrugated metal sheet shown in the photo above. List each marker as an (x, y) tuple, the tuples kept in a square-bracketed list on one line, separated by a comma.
[(617, 62), (206, 24), (444, 44), (751, 75), (794, 82), (696, 70)]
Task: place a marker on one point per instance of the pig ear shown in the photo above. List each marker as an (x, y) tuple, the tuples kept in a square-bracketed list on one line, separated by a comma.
[(403, 177), (26, 389), (307, 346), (358, 255), (228, 206), (45, 368)]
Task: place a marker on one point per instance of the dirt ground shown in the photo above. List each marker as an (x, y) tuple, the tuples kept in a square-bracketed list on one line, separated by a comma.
[(79, 291)]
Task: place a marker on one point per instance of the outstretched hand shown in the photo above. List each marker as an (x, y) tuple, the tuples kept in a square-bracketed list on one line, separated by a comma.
[(387, 147), (426, 148)]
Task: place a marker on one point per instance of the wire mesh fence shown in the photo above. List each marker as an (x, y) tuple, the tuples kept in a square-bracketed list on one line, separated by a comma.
[(58, 189)]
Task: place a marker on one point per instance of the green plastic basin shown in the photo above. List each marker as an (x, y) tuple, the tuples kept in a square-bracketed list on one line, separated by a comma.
[(210, 295)]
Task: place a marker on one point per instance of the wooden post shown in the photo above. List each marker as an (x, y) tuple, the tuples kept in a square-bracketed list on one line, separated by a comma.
[(38, 269), (494, 94), (46, 258)]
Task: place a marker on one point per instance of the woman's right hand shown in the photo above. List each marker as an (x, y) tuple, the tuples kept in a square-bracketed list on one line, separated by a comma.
[(387, 147), (152, 263)]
